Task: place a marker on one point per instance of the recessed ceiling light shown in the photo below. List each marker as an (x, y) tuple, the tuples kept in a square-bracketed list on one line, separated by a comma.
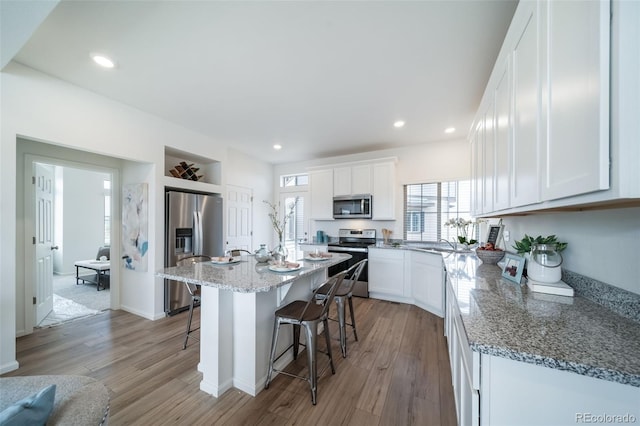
[(277, 146), (450, 130), (102, 60), (398, 124)]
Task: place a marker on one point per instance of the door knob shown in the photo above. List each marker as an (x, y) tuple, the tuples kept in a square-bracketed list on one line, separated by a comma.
[(54, 247)]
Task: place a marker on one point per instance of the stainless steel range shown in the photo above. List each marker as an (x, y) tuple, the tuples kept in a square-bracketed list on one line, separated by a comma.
[(354, 242)]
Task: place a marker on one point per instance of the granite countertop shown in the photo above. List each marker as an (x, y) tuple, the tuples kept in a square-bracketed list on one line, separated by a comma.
[(504, 319), (246, 276)]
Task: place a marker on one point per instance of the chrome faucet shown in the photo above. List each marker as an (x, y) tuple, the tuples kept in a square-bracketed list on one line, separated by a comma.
[(452, 245)]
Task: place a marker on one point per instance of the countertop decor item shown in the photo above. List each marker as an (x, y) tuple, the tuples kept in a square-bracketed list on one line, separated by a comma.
[(280, 252), (386, 234), (489, 255), (526, 243), (513, 267), (262, 254), (462, 228)]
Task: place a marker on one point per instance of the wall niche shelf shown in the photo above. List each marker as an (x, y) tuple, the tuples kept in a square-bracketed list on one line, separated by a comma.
[(185, 170)]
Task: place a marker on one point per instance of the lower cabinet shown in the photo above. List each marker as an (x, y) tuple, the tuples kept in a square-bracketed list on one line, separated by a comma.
[(386, 274), (465, 366), (407, 276), (426, 277)]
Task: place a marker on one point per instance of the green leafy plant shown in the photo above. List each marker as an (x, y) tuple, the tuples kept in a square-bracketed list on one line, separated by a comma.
[(524, 245)]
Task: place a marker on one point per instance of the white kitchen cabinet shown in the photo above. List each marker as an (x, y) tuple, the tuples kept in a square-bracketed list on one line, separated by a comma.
[(526, 117), (383, 190), (502, 122), (426, 276), (386, 274), (574, 154), (361, 179), (476, 173), (352, 180), (342, 181), (465, 366), (321, 194), (564, 89)]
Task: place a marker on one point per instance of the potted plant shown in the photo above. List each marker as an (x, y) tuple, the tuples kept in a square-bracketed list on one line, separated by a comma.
[(524, 245), (462, 227)]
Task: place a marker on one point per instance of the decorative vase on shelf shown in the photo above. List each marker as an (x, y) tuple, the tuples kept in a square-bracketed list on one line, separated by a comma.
[(280, 252)]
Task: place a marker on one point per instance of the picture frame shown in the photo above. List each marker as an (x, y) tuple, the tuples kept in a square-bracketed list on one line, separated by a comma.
[(494, 234), (513, 267)]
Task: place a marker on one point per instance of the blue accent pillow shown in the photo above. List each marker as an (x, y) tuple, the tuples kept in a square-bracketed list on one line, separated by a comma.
[(33, 410)]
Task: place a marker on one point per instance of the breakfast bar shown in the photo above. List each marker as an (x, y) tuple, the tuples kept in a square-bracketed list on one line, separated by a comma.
[(236, 315)]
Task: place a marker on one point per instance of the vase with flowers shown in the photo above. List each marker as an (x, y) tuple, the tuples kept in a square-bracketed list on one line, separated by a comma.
[(462, 230), (280, 252)]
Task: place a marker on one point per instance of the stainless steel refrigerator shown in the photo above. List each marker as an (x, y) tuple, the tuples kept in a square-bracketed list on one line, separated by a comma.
[(193, 227)]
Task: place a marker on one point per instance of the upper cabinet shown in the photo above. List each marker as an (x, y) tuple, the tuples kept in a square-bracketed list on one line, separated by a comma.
[(321, 190), (384, 194), (526, 108), (351, 180), (574, 153), (542, 137), (376, 177)]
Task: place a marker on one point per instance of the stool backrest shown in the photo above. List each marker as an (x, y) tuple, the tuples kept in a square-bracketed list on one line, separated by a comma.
[(334, 282), (352, 275)]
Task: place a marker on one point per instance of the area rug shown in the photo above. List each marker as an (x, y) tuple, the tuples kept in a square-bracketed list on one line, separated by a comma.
[(65, 310)]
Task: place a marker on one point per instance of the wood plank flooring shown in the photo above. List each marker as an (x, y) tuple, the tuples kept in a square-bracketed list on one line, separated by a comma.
[(396, 374)]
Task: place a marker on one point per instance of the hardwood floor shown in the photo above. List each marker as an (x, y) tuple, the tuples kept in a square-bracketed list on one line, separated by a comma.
[(396, 374)]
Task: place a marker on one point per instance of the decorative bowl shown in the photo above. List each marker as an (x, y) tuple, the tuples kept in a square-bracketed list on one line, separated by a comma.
[(489, 256)]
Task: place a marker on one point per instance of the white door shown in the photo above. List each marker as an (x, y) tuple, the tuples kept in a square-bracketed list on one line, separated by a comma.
[(297, 229), (43, 240), (239, 223)]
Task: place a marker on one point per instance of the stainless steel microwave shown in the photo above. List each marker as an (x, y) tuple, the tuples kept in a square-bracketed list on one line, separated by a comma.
[(352, 207)]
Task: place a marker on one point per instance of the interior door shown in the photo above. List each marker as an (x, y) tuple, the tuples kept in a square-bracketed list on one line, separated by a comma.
[(297, 229), (43, 240), (239, 213)]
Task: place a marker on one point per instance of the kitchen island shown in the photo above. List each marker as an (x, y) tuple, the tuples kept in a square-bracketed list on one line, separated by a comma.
[(236, 316)]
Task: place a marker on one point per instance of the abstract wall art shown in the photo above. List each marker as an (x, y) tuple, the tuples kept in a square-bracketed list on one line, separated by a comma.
[(135, 226)]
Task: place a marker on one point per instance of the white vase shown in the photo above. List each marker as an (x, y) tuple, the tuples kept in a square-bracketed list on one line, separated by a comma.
[(544, 268)]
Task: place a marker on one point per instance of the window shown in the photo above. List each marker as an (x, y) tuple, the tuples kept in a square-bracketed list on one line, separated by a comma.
[(294, 180), (428, 205), (107, 212)]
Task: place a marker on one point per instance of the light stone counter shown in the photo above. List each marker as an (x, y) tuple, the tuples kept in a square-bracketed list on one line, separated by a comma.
[(246, 276), (504, 319)]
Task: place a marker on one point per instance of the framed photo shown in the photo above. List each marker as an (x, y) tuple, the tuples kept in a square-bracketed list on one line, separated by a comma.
[(513, 266), (494, 235)]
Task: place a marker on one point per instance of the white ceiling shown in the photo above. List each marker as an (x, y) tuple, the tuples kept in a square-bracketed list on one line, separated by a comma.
[(320, 78)]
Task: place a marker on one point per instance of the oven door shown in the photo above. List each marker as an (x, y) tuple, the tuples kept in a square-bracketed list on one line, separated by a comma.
[(361, 288)]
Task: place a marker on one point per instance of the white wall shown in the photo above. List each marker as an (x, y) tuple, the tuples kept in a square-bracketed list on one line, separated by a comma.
[(433, 162), (82, 224), (41, 108), (603, 244)]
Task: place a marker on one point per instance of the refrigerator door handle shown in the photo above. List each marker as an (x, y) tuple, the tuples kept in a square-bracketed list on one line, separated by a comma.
[(200, 235), (196, 234)]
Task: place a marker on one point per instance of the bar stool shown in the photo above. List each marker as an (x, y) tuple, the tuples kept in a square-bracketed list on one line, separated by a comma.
[(307, 314), (194, 291), (345, 291)]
